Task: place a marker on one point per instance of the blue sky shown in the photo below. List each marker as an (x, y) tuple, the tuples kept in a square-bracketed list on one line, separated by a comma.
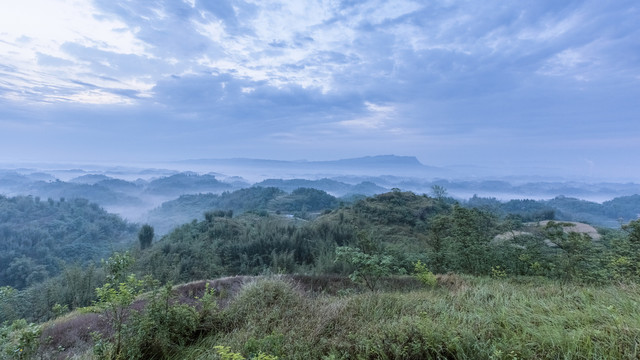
[(519, 86)]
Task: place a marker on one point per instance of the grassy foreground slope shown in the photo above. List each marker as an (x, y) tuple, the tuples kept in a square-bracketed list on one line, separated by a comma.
[(463, 317)]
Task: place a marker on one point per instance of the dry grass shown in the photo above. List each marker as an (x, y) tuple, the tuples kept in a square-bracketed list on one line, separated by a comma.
[(70, 335)]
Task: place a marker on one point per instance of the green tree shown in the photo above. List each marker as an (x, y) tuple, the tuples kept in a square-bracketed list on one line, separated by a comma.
[(117, 266), (576, 259), (116, 297), (7, 308), (625, 253), (368, 260), (115, 300), (161, 327), (145, 236), (20, 340), (438, 192), (24, 271), (470, 232), (437, 233)]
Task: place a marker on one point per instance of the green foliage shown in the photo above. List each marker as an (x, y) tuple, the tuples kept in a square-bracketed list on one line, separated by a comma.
[(145, 236), (75, 287), (304, 199), (577, 258), (7, 307), (624, 258), (423, 274), (438, 192), (161, 327), (185, 182), (36, 237), (609, 213), (115, 300), (117, 266), (20, 340), (368, 261), (209, 314), (498, 272), (633, 229), (259, 200), (225, 353), (59, 310), (187, 207), (469, 234), (116, 297)]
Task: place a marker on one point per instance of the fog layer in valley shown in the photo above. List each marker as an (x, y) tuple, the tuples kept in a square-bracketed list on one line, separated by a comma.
[(136, 192)]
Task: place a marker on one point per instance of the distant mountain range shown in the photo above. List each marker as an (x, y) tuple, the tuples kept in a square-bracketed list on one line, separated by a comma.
[(134, 191), (368, 165)]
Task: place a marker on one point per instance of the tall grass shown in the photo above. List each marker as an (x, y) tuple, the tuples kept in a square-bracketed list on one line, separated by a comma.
[(480, 318)]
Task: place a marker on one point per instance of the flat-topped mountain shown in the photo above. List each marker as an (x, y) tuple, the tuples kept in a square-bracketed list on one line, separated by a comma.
[(368, 165)]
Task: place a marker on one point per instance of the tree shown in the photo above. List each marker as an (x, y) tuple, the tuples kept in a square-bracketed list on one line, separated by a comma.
[(117, 295), (437, 239), (438, 192), (625, 263), (470, 231), (369, 261), (164, 325), (115, 300), (577, 258), (145, 235)]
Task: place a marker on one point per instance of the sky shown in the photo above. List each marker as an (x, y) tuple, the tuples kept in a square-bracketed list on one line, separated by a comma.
[(532, 86)]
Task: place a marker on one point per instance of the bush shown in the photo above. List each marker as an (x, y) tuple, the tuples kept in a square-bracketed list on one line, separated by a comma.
[(162, 326), (19, 340), (423, 274)]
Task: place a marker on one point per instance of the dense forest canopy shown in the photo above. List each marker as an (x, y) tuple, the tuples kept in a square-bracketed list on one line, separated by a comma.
[(38, 237)]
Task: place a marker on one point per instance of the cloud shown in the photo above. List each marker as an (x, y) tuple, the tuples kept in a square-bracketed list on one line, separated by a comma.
[(347, 74), (48, 60), (225, 97)]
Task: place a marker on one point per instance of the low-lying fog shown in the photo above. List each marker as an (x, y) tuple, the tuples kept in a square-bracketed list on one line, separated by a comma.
[(133, 191)]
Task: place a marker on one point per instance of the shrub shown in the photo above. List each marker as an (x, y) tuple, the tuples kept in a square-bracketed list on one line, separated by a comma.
[(423, 274), (19, 340), (162, 326)]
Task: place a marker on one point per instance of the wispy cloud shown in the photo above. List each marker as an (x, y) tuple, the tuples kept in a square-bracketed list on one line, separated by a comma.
[(283, 74)]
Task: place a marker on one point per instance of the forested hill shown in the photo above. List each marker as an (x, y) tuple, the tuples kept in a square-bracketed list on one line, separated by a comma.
[(255, 243), (401, 225), (608, 214), (189, 207), (37, 236)]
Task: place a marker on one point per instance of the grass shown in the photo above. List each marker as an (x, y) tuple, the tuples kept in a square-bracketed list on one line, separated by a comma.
[(464, 317), (482, 318)]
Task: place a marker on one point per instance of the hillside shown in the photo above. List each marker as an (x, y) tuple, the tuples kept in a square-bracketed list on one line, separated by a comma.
[(347, 264), (609, 214), (315, 317), (254, 243), (403, 225), (300, 201), (37, 237)]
